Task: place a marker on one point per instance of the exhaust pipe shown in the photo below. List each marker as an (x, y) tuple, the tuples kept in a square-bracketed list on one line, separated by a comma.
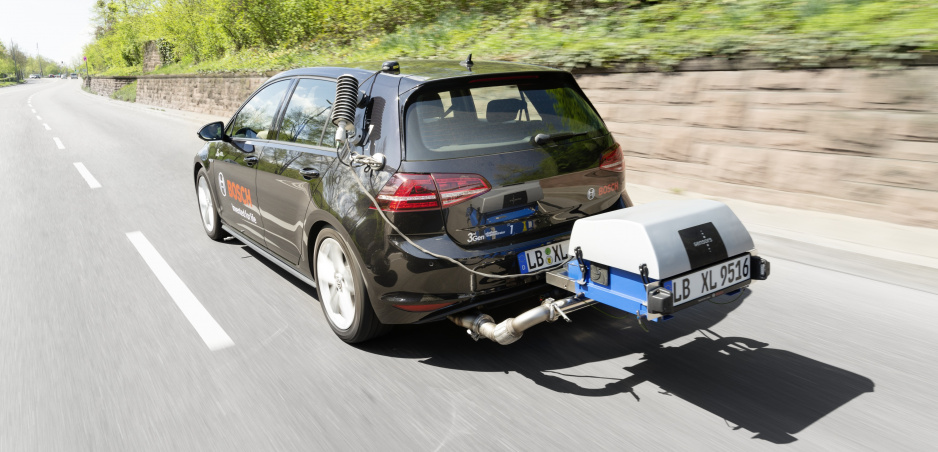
[(510, 330)]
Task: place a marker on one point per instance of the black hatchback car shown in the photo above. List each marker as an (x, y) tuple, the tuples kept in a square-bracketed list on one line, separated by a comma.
[(488, 164)]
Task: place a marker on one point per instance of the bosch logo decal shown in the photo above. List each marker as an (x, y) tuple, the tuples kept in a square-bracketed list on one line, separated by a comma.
[(592, 193), (239, 193), (608, 188), (221, 185)]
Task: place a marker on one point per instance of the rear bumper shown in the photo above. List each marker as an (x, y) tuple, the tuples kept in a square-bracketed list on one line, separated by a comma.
[(413, 280), (407, 285)]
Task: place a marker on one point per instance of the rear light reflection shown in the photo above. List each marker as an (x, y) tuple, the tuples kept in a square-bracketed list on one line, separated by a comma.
[(407, 192), (423, 307), (612, 160)]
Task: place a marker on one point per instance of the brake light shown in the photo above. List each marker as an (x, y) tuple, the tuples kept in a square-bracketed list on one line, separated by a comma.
[(503, 79), (406, 192), (456, 188), (612, 160)]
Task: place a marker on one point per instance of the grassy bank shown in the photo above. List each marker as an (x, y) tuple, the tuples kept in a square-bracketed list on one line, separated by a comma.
[(8, 82), (126, 93), (659, 34)]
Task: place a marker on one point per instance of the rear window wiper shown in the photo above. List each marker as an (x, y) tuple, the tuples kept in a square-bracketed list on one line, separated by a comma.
[(543, 138)]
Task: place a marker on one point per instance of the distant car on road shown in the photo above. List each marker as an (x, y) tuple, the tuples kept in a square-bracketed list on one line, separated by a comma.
[(74, 75), (489, 166), (34, 76)]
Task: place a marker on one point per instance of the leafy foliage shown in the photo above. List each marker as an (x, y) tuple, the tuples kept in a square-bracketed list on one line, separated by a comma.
[(126, 93), (270, 35), (17, 65)]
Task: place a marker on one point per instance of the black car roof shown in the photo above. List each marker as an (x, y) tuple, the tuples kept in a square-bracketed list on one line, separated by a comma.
[(418, 71)]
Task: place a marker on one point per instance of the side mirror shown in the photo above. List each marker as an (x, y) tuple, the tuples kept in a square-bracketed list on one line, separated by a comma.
[(213, 132)]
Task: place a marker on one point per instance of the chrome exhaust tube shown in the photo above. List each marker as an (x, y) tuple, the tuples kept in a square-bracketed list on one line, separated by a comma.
[(510, 330)]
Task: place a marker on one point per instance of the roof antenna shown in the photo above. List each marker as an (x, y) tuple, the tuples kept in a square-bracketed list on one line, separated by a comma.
[(468, 63)]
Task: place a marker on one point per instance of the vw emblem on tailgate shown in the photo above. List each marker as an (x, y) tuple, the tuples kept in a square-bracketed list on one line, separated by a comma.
[(590, 194), (221, 185)]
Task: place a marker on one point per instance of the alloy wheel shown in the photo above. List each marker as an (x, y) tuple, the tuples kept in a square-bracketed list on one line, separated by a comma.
[(337, 285)]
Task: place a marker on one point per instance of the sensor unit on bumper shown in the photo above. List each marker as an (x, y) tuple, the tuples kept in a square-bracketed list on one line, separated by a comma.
[(651, 261)]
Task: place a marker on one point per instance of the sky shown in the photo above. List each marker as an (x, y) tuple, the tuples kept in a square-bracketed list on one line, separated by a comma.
[(59, 27)]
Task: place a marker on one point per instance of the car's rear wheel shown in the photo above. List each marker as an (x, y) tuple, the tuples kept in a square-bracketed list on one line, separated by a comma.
[(341, 290), (209, 214)]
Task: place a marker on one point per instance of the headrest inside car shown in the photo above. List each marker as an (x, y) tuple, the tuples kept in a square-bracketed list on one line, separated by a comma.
[(429, 107), (503, 110)]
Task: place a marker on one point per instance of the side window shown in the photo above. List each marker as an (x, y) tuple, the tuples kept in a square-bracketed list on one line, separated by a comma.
[(257, 116), (307, 117)]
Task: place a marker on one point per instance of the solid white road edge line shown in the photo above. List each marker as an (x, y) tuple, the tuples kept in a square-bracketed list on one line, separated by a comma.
[(58, 142), (46, 126), (92, 182), (212, 333)]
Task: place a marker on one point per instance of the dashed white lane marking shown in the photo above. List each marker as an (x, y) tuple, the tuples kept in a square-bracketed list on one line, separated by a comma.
[(212, 333), (34, 110), (92, 182), (39, 117), (58, 143), (47, 127)]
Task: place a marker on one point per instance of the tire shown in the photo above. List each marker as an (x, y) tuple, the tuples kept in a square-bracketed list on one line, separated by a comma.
[(211, 222), (341, 290)]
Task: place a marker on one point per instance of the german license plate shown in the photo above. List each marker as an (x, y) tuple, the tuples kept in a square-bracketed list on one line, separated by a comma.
[(545, 256), (709, 280)]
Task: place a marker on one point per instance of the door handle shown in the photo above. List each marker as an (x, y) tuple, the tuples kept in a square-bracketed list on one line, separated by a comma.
[(250, 160), (309, 173)]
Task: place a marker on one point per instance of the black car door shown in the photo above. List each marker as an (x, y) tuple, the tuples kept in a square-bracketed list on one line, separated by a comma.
[(235, 162), (290, 167)]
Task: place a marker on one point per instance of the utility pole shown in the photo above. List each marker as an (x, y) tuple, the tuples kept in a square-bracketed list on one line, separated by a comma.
[(39, 57)]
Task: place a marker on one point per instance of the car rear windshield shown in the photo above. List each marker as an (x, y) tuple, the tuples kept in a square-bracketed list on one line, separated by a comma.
[(490, 116)]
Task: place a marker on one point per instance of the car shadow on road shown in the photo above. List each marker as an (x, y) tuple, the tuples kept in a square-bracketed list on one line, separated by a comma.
[(771, 392)]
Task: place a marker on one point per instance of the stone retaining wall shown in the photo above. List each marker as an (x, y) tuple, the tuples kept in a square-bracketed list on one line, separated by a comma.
[(219, 95), (855, 142), (105, 86)]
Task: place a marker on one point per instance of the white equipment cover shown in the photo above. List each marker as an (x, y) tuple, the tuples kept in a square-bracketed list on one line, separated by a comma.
[(666, 235)]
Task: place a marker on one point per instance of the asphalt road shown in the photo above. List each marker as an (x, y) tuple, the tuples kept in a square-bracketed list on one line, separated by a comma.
[(834, 352)]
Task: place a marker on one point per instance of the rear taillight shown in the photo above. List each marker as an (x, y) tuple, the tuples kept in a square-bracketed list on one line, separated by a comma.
[(407, 192), (456, 188), (612, 159)]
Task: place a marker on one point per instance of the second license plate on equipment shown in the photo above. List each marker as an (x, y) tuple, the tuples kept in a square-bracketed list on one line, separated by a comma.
[(709, 280), (545, 256)]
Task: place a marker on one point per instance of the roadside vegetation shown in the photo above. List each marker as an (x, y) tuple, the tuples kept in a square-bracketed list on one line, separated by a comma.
[(4, 81), (271, 35), (15, 65), (126, 93)]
